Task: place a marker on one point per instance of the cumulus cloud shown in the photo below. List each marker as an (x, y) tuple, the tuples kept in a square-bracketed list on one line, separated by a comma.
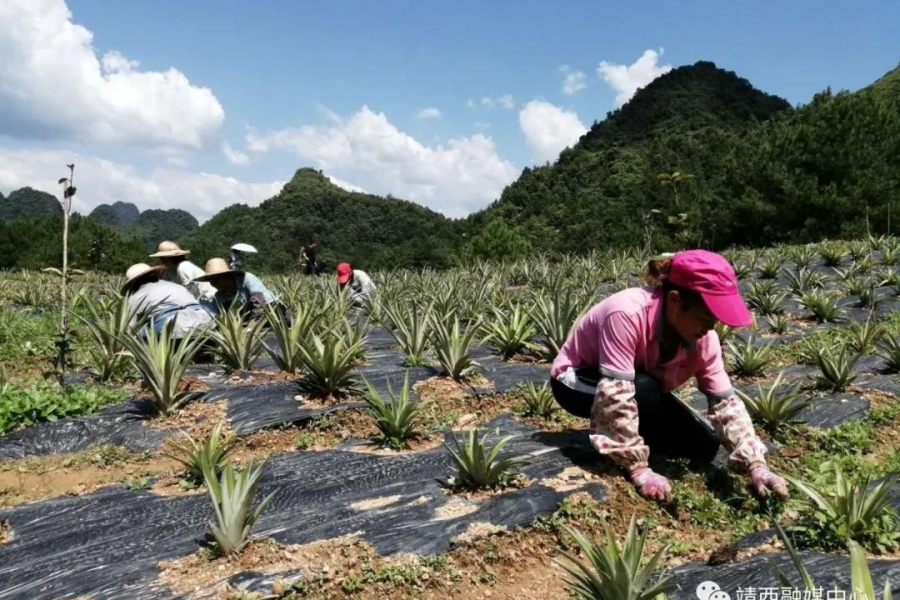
[(455, 178), (53, 85), (101, 181), (235, 156), (628, 79), (506, 102), (429, 113), (573, 81), (549, 129), (346, 186)]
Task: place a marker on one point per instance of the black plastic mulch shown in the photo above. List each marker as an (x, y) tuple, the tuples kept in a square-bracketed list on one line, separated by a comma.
[(106, 545)]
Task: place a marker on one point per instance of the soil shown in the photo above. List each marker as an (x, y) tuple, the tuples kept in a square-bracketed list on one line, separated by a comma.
[(440, 388), (196, 419), (6, 533), (172, 486), (375, 503)]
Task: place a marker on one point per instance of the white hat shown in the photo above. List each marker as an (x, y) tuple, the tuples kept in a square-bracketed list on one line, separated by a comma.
[(244, 248), (168, 248), (135, 272)]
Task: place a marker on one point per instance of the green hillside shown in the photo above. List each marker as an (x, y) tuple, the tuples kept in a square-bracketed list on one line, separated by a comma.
[(27, 203)]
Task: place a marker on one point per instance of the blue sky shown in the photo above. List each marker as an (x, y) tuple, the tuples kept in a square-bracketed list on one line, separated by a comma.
[(286, 82)]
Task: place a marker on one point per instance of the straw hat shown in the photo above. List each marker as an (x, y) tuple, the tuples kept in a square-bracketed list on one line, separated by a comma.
[(135, 272), (215, 267), (167, 248)]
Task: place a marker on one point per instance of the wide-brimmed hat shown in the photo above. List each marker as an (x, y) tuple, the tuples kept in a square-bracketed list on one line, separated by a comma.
[(167, 249), (136, 272), (344, 273), (710, 275), (215, 267)]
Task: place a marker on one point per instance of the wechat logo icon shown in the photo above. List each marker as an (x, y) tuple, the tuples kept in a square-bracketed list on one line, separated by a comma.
[(710, 590)]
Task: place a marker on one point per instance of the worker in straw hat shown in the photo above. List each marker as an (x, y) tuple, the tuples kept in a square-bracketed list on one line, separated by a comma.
[(234, 286), (180, 270), (159, 301)]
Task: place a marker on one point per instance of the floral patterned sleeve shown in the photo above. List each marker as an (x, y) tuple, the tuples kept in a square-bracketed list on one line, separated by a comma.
[(614, 424), (734, 428)]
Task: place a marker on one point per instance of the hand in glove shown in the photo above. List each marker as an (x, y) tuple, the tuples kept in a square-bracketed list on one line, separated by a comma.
[(764, 480), (650, 485)]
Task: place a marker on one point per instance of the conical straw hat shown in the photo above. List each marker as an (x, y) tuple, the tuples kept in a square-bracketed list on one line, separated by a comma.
[(135, 272), (168, 248), (215, 267)]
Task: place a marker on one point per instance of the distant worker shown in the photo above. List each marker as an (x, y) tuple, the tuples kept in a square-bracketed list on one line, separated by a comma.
[(159, 301), (628, 353), (237, 254), (234, 286), (180, 270), (308, 259), (361, 285)]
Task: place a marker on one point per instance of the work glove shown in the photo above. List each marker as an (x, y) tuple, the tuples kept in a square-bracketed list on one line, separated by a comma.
[(764, 480), (650, 485)]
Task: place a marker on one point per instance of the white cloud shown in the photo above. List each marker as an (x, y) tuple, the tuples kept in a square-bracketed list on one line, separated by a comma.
[(54, 86), (456, 179), (506, 102), (573, 81), (346, 186), (549, 129), (101, 181), (429, 113), (235, 156), (628, 79)]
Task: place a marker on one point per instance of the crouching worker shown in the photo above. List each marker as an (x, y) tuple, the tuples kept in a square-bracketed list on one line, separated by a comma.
[(156, 302), (361, 285), (236, 287), (180, 270), (624, 358)]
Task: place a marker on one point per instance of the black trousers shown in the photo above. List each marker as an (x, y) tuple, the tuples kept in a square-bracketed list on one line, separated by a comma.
[(668, 425)]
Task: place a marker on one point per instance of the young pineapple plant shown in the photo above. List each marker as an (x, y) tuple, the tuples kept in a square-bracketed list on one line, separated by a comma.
[(202, 456), (823, 307), (510, 331), (890, 255), (858, 250), (397, 417), (747, 359), (328, 364), (847, 274), (236, 345), (778, 323), (610, 572), (451, 345), (771, 266), (774, 406), (723, 331), (860, 511), (232, 493), (289, 335), (833, 253), (803, 256), (556, 315), (889, 349), (479, 464), (744, 268), (804, 280), (107, 324), (162, 361), (836, 366), (862, 338), (538, 400), (766, 300), (411, 327)]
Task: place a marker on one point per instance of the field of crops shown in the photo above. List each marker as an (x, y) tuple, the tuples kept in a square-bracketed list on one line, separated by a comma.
[(412, 449)]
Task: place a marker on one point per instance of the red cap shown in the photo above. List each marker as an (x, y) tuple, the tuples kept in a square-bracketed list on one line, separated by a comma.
[(344, 272), (710, 275)]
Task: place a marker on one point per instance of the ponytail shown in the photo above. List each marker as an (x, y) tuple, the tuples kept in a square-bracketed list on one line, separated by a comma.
[(658, 271)]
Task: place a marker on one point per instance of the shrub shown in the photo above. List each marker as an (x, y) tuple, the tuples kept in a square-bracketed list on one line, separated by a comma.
[(232, 495), (201, 456), (452, 348), (397, 417), (510, 330), (608, 572), (856, 511), (749, 360), (236, 346), (774, 406), (479, 464), (161, 361), (43, 401), (539, 400)]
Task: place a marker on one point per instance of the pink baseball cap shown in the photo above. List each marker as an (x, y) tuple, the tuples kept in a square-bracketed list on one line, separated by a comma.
[(711, 276), (344, 271)]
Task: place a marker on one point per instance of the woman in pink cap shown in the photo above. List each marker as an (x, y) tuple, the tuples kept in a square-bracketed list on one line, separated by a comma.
[(625, 356)]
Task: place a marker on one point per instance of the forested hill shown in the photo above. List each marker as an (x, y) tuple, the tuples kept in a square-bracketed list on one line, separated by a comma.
[(149, 227), (368, 231), (751, 170), (27, 203)]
